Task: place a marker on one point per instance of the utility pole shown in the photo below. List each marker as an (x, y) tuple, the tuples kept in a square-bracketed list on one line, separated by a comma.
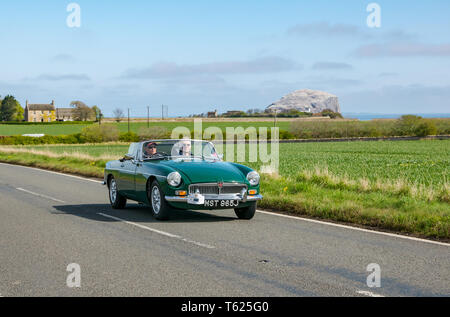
[(128, 120), (275, 119), (148, 116), (162, 112)]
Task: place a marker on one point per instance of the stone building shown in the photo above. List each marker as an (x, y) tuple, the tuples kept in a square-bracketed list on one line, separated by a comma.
[(46, 113), (64, 114), (40, 112)]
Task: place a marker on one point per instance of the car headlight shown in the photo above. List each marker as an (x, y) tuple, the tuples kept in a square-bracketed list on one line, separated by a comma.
[(253, 178), (174, 179)]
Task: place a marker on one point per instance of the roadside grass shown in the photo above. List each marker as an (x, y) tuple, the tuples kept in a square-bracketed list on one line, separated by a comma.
[(59, 155), (65, 164), (374, 209), (398, 186)]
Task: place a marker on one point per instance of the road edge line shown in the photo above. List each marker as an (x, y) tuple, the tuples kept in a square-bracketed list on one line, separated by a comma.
[(394, 235)]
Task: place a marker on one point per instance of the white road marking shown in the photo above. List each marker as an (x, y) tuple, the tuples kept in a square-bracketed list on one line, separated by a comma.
[(40, 195), (56, 173), (355, 228), (167, 234), (370, 294), (273, 214)]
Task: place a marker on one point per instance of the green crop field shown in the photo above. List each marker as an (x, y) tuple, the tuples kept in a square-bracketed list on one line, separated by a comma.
[(420, 162)]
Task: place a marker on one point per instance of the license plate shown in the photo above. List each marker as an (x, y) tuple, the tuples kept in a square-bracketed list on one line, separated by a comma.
[(221, 203)]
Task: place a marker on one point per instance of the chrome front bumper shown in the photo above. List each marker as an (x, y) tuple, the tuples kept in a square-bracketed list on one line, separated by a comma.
[(197, 199)]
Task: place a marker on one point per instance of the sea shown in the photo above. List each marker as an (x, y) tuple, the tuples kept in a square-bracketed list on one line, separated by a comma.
[(371, 116)]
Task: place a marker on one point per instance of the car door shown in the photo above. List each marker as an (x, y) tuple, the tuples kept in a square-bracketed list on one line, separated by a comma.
[(142, 174), (128, 171)]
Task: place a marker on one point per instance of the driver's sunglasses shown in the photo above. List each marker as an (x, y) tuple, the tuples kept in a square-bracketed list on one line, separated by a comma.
[(151, 147)]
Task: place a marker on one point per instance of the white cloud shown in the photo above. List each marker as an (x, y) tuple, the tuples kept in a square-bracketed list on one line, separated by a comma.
[(350, 31), (170, 70), (331, 66), (325, 29), (403, 50), (53, 77), (398, 99)]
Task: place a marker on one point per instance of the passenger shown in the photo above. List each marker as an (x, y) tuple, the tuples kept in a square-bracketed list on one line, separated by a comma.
[(186, 146)]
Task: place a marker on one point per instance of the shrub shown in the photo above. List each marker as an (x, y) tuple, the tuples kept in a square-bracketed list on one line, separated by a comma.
[(442, 125), (415, 126), (129, 137), (154, 133), (425, 128), (407, 125), (100, 133), (331, 114)]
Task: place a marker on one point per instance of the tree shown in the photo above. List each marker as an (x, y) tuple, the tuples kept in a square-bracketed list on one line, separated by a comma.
[(98, 114), (10, 109), (81, 112), (118, 114), (19, 112), (330, 113), (411, 125)]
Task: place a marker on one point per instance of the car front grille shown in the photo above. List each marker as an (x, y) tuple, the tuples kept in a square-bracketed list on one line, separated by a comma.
[(216, 189)]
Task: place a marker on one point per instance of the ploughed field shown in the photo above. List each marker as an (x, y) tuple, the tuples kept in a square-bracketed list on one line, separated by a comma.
[(401, 186)]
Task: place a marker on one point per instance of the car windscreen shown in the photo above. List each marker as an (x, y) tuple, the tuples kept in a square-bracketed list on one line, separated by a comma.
[(133, 150), (179, 149)]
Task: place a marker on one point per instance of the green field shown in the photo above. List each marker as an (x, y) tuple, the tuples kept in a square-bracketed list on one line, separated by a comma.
[(420, 162), (66, 129), (401, 186)]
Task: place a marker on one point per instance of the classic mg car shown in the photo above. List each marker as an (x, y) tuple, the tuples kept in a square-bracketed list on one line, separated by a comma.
[(181, 174)]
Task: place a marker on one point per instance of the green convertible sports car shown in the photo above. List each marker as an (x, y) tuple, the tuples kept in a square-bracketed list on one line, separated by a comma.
[(181, 174)]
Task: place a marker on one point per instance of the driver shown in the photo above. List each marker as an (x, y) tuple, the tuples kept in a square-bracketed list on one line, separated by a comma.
[(150, 150)]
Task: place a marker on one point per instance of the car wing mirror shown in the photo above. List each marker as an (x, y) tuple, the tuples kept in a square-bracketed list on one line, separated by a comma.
[(127, 158)]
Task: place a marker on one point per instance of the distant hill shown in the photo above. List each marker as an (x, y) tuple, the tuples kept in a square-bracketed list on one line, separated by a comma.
[(306, 100)]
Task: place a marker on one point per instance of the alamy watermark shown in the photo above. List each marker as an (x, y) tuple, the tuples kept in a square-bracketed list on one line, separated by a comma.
[(374, 18), (263, 144), (74, 18), (74, 278), (374, 278)]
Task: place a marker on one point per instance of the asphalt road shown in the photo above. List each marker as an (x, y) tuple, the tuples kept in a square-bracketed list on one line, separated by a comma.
[(48, 221)]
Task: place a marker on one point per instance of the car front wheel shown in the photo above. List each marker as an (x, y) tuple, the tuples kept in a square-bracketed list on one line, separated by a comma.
[(246, 213), (116, 199), (159, 207)]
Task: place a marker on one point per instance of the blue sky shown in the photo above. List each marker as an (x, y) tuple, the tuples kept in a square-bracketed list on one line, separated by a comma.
[(197, 56)]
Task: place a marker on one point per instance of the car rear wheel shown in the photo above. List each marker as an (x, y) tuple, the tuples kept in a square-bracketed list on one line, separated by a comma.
[(116, 199), (246, 213), (159, 207)]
